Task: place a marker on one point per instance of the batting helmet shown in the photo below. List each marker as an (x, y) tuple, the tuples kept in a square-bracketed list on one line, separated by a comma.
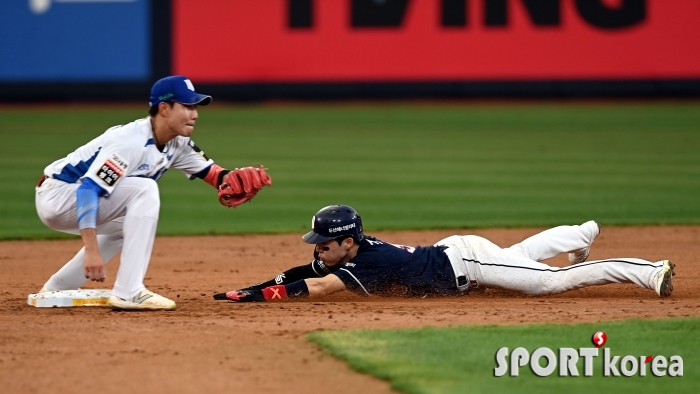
[(334, 221)]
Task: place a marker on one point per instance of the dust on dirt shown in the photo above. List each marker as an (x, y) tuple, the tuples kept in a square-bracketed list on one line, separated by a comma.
[(206, 345)]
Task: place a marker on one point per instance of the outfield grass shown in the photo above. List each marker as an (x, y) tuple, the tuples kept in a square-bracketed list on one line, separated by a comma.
[(403, 166), (463, 359)]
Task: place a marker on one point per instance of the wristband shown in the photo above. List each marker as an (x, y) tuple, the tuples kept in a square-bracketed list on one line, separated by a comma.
[(275, 293), (280, 292), (214, 175)]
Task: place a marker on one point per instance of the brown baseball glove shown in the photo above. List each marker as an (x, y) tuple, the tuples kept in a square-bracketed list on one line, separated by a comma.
[(242, 184)]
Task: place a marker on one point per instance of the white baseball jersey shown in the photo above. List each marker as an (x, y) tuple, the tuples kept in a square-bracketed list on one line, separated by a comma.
[(125, 162), (127, 151)]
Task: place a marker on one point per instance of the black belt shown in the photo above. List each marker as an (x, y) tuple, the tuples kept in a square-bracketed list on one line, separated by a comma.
[(463, 280), (41, 180)]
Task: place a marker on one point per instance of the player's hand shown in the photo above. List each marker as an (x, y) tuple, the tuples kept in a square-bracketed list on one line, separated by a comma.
[(247, 295), (94, 267)]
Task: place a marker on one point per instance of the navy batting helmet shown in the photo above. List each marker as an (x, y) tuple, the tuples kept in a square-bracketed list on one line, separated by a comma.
[(334, 221)]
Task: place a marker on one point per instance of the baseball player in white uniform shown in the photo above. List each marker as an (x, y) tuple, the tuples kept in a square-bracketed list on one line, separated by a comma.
[(106, 192)]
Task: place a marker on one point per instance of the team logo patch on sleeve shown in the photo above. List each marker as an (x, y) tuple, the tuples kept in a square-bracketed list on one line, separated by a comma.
[(112, 169)]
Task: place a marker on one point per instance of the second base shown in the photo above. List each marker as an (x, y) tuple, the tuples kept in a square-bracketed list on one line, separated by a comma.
[(67, 298)]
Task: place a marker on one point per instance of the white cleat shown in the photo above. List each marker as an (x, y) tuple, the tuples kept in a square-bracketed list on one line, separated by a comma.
[(145, 301), (663, 279), (579, 256)]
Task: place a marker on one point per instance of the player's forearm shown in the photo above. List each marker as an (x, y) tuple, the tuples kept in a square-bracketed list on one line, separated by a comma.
[(319, 287), (89, 236), (93, 265), (289, 276), (314, 287)]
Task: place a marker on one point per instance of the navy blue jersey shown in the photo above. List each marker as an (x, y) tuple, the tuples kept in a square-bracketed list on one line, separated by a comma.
[(382, 268)]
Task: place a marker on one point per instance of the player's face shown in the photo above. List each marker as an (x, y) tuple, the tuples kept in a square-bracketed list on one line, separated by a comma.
[(181, 118), (333, 254)]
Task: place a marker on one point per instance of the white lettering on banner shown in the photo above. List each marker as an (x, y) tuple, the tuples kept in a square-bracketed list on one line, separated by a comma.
[(588, 354), (568, 363)]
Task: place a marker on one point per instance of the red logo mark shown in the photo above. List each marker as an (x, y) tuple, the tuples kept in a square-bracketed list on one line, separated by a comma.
[(648, 359), (599, 339), (276, 293)]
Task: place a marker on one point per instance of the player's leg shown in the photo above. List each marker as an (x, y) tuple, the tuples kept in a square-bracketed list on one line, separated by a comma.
[(557, 240), (56, 207), (537, 278), (137, 202), (502, 268), (72, 275)]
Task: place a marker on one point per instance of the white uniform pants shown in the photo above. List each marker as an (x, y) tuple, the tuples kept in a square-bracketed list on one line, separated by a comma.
[(126, 221), (518, 267)]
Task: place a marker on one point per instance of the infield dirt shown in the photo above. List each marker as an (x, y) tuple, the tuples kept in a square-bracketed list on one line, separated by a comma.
[(206, 346)]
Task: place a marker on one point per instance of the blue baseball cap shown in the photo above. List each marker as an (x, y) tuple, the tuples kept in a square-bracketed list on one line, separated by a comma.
[(176, 88)]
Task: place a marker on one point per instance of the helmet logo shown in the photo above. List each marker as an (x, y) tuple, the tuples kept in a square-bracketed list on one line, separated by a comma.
[(313, 221), (341, 228)]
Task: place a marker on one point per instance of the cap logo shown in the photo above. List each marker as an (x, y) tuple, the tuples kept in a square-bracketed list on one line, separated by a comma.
[(341, 228), (165, 97), (313, 221), (189, 85)]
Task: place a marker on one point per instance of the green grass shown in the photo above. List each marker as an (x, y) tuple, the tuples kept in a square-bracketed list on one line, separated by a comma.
[(403, 166), (462, 359)]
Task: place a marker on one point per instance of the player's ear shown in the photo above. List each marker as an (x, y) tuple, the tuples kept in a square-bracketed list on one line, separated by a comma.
[(349, 242), (163, 109)]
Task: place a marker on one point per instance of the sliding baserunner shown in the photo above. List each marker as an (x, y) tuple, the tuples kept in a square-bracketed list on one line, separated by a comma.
[(348, 259)]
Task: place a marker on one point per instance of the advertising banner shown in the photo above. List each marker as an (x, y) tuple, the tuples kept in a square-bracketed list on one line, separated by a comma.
[(273, 41), (74, 40)]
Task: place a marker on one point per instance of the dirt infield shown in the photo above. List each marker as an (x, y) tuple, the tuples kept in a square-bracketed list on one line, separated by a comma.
[(205, 346)]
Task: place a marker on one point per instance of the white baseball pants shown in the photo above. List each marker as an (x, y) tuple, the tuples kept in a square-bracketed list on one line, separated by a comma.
[(126, 220), (519, 268)]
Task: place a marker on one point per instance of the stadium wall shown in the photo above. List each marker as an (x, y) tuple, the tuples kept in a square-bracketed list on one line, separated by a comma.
[(107, 50)]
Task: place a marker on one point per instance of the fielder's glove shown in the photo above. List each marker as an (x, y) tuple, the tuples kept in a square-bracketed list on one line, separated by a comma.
[(242, 184), (249, 295)]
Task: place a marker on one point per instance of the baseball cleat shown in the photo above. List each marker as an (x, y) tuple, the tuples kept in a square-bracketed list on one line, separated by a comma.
[(144, 301), (579, 256), (664, 278)]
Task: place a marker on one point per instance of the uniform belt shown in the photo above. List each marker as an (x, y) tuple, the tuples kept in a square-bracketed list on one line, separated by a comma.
[(41, 180), (463, 279)]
